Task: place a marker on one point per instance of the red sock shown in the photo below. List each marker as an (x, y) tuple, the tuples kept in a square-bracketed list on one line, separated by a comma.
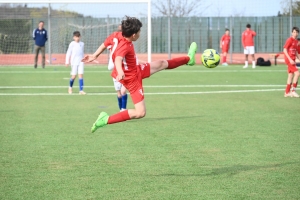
[(224, 59), (119, 117), (176, 62), (294, 86), (288, 88)]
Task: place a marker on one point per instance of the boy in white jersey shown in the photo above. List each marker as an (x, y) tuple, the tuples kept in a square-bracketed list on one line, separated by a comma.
[(76, 53)]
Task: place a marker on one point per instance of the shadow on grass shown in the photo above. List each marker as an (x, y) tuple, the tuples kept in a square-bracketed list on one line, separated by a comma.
[(233, 170), (164, 118)]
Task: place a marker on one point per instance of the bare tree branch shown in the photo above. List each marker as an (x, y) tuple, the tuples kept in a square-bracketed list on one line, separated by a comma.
[(180, 8)]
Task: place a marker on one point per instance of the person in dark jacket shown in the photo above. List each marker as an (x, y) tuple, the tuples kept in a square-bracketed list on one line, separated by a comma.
[(40, 37)]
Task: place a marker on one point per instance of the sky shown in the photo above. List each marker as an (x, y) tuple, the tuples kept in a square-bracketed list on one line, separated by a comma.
[(216, 8)]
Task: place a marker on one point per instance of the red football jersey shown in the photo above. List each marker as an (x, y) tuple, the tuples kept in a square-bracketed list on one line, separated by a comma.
[(225, 41), (298, 49), (291, 46), (248, 38), (124, 48)]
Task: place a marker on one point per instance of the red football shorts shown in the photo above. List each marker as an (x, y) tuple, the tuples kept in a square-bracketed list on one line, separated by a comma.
[(135, 85), (291, 68), (225, 49)]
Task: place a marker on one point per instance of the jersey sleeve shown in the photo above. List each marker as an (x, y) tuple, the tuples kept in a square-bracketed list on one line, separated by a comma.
[(121, 50), (108, 41), (287, 44), (253, 33), (69, 53)]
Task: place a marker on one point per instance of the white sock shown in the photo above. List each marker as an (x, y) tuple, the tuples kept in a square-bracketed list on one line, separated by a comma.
[(253, 63), (246, 63)]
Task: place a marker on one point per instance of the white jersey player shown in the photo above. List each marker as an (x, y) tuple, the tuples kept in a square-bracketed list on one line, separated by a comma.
[(75, 53)]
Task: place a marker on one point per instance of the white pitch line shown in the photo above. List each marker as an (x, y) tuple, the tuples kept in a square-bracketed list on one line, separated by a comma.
[(165, 71), (156, 93), (146, 86)]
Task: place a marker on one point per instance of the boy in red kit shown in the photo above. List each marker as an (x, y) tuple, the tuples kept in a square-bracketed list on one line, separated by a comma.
[(290, 54), (224, 45), (248, 44), (130, 72)]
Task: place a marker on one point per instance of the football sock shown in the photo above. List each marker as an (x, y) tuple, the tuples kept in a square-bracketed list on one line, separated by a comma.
[(288, 88), (176, 62), (80, 84), (246, 63), (71, 82), (120, 102), (119, 117), (224, 59), (253, 63), (124, 101), (294, 86)]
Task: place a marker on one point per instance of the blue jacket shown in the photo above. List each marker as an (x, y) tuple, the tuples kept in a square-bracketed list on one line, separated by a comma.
[(40, 37)]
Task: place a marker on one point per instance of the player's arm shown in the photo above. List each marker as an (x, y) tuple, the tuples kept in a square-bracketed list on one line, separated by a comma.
[(33, 34), (90, 58), (221, 42), (68, 54), (285, 52), (142, 62), (297, 55), (46, 35), (118, 65), (287, 55), (243, 40)]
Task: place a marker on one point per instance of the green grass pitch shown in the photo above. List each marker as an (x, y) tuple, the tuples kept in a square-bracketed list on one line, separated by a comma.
[(223, 133)]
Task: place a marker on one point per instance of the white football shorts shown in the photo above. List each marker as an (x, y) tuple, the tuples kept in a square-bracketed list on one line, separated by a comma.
[(117, 85), (249, 50), (77, 69)]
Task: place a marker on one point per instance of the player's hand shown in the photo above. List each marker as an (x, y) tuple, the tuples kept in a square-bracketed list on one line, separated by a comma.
[(292, 62), (88, 58), (120, 76)]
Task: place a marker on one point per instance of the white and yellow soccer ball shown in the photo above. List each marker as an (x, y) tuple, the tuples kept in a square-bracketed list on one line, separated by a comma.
[(210, 58)]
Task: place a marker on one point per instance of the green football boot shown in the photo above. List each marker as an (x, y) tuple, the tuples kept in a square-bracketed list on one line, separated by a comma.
[(100, 122), (192, 53)]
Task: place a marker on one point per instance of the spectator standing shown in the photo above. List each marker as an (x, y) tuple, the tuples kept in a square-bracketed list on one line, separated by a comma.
[(248, 44), (40, 37)]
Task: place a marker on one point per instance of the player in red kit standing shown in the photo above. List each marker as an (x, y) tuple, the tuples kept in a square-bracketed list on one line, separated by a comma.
[(290, 54), (130, 72), (248, 44), (224, 45)]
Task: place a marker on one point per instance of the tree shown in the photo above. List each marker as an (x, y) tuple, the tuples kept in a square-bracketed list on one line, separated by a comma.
[(286, 7), (180, 8)]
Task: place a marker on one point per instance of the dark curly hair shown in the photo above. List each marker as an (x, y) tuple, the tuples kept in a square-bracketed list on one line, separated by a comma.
[(295, 28), (130, 26)]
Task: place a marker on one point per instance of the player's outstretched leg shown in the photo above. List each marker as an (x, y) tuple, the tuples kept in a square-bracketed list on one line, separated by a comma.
[(100, 122), (192, 53)]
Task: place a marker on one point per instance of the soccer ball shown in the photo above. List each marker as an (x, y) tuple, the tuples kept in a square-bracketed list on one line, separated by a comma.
[(210, 58)]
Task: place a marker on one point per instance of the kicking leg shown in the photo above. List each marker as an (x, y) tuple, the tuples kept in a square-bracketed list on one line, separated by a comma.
[(157, 66)]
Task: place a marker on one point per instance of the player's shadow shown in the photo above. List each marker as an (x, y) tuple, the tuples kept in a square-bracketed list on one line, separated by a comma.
[(233, 170), (166, 118)]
